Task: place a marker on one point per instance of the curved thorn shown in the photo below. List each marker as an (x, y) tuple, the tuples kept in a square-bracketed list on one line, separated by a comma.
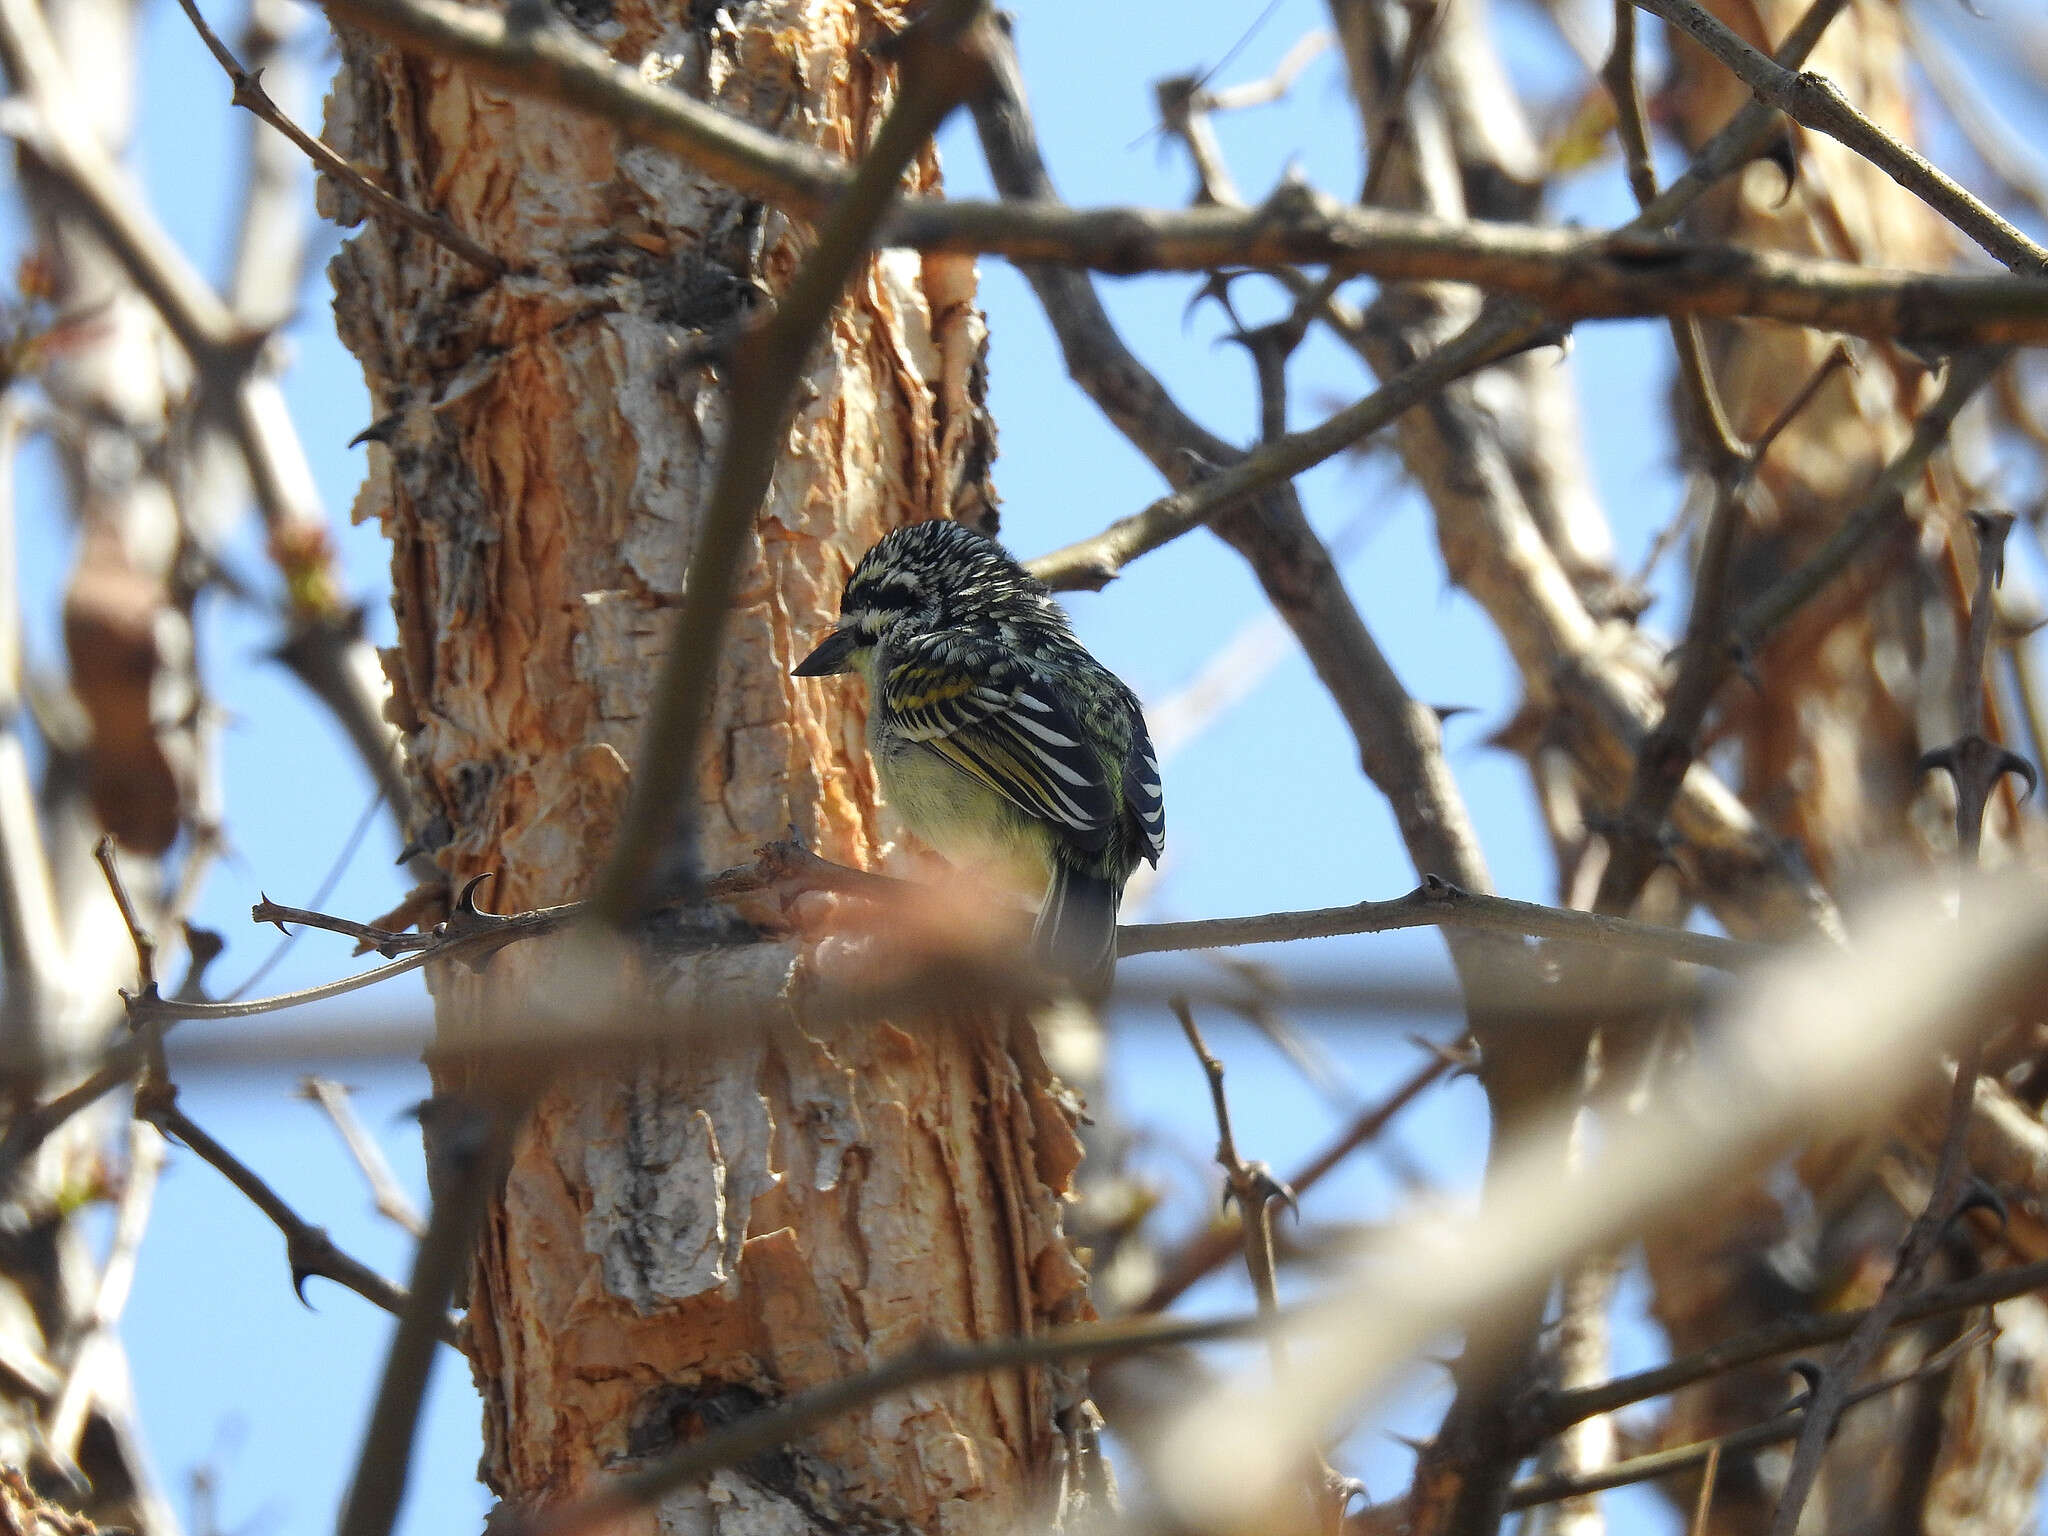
[(262, 901), (1943, 758), (465, 902), (1981, 1196), (382, 430), (1783, 153), (1743, 659), (2013, 763), (1810, 1373), (1991, 529)]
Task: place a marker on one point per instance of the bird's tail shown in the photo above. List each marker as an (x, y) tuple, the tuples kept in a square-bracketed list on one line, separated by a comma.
[(1075, 935)]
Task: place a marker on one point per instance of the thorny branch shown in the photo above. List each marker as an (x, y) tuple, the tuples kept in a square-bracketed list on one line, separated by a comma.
[(1546, 1413), (1096, 561), (309, 1250), (1437, 903), (1790, 1424), (1976, 766), (250, 95), (1817, 103), (1824, 1047), (471, 935), (1211, 1247), (1572, 276)]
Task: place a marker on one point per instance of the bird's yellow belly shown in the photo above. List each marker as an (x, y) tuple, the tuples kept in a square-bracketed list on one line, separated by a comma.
[(966, 823)]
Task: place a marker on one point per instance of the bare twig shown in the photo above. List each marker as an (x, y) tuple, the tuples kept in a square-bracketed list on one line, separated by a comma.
[(763, 372), (321, 892), (66, 1423), (1214, 1245), (382, 940), (1550, 1412), (1252, 1187), (1274, 86), (468, 932), (390, 1197), (1710, 1472), (1435, 903), (249, 94), (138, 933), (1724, 450), (1877, 516), (475, 1144), (1096, 561), (1705, 659), (1681, 1458), (30, 1128)]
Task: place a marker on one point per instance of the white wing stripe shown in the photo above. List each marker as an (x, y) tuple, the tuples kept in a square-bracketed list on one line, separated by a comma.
[(1044, 733), (1078, 780)]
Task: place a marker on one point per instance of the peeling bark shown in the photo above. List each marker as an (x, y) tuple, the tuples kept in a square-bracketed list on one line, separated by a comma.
[(716, 1228)]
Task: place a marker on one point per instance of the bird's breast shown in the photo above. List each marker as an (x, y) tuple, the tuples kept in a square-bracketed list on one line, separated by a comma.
[(965, 822)]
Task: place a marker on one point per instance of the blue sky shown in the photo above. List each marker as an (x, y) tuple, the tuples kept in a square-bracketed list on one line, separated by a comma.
[(1267, 808)]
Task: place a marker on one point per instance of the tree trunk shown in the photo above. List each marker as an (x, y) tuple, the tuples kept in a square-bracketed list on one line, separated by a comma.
[(715, 1227)]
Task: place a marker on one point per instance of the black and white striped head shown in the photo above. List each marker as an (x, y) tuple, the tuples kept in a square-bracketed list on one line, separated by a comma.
[(934, 576)]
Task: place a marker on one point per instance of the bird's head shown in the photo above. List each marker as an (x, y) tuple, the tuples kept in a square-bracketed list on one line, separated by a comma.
[(927, 576)]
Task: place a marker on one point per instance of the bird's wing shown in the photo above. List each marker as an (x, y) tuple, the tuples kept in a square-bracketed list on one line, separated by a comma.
[(1144, 795), (984, 710)]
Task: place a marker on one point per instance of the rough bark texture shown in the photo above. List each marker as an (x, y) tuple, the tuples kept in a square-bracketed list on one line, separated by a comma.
[(712, 1230)]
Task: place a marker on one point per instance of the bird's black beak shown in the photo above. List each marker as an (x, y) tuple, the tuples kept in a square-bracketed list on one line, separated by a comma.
[(831, 656)]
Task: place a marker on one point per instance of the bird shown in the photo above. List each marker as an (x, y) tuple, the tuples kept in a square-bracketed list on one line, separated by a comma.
[(1000, 740)]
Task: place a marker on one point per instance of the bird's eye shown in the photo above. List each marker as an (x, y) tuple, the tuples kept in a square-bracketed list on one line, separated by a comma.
[(887, 599)]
